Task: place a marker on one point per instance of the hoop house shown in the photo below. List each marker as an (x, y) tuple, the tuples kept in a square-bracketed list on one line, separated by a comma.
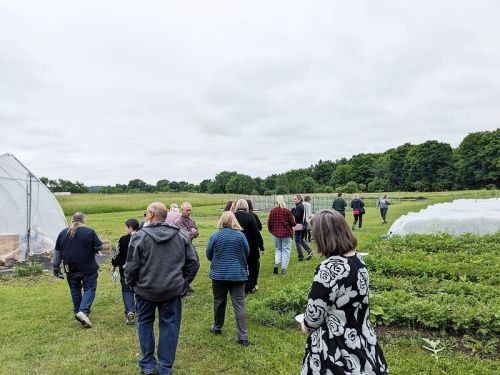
[(30, 216)]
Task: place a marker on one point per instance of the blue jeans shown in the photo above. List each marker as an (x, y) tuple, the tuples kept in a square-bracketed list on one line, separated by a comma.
[(127, 296), (169, 322), (87, 281), (282, 249), (299, 242)]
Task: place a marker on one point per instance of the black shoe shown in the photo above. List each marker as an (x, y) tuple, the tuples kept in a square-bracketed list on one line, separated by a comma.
[(148, 372), (310, 255), (216, 331), (244, 342), (301, 259), (275, 271)]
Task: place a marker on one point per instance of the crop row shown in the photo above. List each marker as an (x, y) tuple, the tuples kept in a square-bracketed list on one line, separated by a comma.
[(459, 267), (440, 243), (442, 311), (422, 286)]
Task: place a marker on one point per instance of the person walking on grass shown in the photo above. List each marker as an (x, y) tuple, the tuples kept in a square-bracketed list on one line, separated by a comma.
[(161, 263), (118, 260), (299, 215), (339, 204), (358, 209), (227, 250), (76, 247), (337, 318), (383, 203), (279, 224), (251, 231)]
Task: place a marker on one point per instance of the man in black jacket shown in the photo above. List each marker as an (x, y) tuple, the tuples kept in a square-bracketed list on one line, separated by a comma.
[(119, 259), (339, 204), (161, 263)]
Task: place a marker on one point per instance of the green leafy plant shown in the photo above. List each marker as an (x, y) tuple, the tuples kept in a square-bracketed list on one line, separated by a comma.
[(28, 269), (433, 347)]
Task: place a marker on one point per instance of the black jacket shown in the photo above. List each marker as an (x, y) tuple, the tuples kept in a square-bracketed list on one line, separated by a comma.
[(299, 213), (161, 262), (251, 232), (120, 256)]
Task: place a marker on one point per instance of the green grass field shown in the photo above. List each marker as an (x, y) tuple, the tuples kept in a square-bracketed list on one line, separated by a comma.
[(40, 336)]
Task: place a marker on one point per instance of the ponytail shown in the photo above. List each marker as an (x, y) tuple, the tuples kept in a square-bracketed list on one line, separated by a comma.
[(77, 220)]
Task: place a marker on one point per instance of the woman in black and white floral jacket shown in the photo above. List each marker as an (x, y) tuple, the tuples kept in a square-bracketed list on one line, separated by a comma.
[(342, 339)]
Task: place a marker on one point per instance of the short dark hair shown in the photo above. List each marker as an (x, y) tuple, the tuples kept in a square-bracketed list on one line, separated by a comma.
[(339, 194), (229, 204), (332, 233), (132, 223), (307, 198)]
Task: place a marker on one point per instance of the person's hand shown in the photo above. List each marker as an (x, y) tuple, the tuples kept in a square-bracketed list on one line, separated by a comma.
[(303, 327), (57, 273)]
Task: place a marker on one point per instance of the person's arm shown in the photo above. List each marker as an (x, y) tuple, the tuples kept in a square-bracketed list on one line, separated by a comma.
[(97, 242), (57, 258), (131, 268), (291, 220), (270, 221), (344, 203), (245, 245), (193, 233), (319, 299), (192, 263), (259, 223), (210, 248)]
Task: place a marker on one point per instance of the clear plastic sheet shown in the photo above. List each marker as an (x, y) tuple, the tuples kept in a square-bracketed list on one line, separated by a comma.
[(479, 216)]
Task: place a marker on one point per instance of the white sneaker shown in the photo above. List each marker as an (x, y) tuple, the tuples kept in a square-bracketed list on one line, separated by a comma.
[(84, 319)]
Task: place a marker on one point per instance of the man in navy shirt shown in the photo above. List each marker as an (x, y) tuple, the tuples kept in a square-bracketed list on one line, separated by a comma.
[(76, 247)]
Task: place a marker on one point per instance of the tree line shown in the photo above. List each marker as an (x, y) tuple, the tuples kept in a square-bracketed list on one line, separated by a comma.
[(429, 166)]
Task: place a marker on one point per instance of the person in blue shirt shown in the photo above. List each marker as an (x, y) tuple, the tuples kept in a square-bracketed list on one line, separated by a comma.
[(228, 250), (76, 247)]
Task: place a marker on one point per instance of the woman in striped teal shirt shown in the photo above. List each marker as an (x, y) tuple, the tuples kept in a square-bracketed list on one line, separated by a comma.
[(228, 249)]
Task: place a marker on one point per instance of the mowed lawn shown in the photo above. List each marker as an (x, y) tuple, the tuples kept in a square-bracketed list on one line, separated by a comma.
[(38, 334)]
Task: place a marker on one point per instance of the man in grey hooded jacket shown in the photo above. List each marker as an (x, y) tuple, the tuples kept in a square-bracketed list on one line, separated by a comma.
[(161, 263)]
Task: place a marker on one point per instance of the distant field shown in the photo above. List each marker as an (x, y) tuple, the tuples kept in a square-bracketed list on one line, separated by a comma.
[(40, 336)]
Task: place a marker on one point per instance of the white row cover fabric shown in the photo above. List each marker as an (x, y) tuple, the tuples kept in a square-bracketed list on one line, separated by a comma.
[(479, 216), (26, 206)]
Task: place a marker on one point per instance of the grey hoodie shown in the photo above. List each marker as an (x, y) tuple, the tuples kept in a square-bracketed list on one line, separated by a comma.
[(161, 262)]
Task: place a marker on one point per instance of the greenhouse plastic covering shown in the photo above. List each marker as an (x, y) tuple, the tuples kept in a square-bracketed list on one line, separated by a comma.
[(26, 206), (479, 216)]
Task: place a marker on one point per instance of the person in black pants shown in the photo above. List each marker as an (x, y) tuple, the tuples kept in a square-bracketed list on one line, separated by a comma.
[(251, 231), (357, 206), (119, 259)]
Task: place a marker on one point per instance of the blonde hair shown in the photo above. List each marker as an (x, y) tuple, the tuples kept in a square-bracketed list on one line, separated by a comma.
[(242, 205), (77, 220), (355, 196), (280, 201), (228, 220)]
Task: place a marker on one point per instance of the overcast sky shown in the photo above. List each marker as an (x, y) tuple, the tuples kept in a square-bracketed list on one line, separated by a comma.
[(107, 91)]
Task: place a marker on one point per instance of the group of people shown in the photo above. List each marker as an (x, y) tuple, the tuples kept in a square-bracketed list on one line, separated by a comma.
[(158, 262), (358, 208)]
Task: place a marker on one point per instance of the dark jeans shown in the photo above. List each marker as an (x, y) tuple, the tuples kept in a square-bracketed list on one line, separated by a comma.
[(383, 212), (237, 291), (87, 282), (356, 218), (127, 296), (169, 323), (253, 273), (299, 243)]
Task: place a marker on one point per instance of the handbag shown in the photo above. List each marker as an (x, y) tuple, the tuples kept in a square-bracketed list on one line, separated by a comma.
[(362, 211)]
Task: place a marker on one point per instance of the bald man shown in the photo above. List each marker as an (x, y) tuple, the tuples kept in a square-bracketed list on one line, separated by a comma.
[(161, 263)]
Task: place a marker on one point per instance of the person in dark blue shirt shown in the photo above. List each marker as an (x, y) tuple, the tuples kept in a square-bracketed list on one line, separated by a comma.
[(76, 247)]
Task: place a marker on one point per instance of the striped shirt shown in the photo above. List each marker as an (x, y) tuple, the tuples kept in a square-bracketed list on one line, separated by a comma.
[(228, 249)]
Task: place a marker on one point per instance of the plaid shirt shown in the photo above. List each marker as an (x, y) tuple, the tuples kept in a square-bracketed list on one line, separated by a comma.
[(280, 222)]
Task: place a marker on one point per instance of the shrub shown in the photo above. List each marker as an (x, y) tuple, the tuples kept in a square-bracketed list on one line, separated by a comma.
[(28, 269)]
